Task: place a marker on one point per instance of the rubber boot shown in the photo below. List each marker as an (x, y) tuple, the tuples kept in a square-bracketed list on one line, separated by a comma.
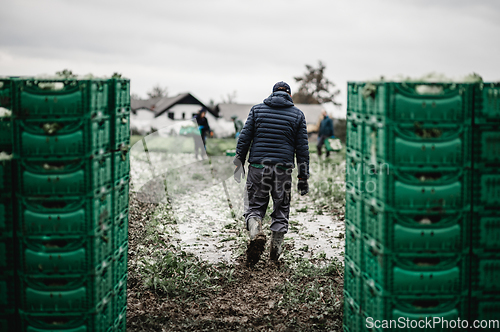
[(257, 241), (276, 245)]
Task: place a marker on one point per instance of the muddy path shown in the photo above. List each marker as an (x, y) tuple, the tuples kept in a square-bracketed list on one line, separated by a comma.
[(187, 269)]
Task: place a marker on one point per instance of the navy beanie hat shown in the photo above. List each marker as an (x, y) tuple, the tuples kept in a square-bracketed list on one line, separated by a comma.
[(282, 86)]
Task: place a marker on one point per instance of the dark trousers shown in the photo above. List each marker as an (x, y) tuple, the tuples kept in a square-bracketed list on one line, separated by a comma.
[(261, 182), (321, 142)]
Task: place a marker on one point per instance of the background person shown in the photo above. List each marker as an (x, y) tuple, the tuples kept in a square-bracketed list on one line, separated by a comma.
[(325, 132), (204, 129)]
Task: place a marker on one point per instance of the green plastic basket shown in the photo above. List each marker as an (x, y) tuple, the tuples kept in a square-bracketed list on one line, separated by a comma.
[(417, 144), (352, 313), (486, 273), (487, 103), (7, 258), (353, 243), (6, 214), (63, 215), (120, 132), (486, 232), (379, 304), (411, 189), (120, 263), (354, 211), (121, 165), (65, 176), (415, 273), (355, 131), (119, 96), (49, 255), (417, 232), (59, 98), (419, 101), (99, 319), (6, 133), (65, 293), (486, 147), (486, 189), (120, 232), (69, 137)]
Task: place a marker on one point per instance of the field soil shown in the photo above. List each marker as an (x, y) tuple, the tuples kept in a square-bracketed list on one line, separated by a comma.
[(187, 266)]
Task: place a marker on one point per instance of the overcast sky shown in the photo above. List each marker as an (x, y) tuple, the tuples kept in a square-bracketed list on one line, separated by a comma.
[(214, 47)]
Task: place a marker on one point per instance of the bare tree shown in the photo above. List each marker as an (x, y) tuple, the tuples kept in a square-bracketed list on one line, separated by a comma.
[(315, 88), (230, 98), (157, 91)]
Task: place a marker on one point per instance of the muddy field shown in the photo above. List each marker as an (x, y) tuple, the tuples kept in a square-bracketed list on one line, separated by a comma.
[(187, 268)]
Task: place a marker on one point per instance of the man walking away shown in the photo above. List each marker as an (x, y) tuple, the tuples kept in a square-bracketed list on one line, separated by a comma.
[(276, 131), (325, 132)]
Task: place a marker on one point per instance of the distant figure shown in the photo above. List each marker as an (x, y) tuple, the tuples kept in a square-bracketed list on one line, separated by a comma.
[(325, 132), (238, 125), (204, 130)]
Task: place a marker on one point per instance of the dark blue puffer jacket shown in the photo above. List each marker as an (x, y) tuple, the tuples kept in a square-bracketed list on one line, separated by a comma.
[(277, 131)]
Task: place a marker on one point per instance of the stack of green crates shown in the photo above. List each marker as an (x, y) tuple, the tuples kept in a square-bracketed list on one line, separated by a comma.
[(408, 202), (7, 267), (71, 232), (485, 259)]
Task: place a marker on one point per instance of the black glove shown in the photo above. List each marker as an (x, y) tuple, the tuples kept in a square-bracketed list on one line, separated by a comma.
[(239, 170), (303, 186)]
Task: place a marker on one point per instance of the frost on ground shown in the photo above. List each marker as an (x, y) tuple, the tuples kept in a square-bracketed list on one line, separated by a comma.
[(205, 207), (186, 267)]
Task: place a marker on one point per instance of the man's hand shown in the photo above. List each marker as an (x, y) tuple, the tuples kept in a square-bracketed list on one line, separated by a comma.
[(239, 170), (303, 186)]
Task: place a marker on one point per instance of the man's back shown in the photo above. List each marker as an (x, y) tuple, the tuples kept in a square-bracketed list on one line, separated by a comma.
[(276, 130)]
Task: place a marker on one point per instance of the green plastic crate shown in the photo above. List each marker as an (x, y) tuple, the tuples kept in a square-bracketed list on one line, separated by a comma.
[(6, 213), (484, 279), (9, 322), (120, 295), (231, 153), (6, 133), (121, 165), (120, 231), (355, 168), (486, 308), (486, 232), (352, 279), (100, 319), (65, 176), (417, 144), (66, 254), (487, 103), (52, 98), (354, 211), (65, 293), (486, 147), (417, 232), (120, 324), (419, 101), (6, 253), (120, 132), (63, 216), (119, 96), (69, 137), (486, 189), (353, 243), (428, 273), (6, 93), (120, 199), (355, 132), (379, 304), (120, 263), (439, 189), (355, 100), (6, 176), (352, 314), (7, 293)]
